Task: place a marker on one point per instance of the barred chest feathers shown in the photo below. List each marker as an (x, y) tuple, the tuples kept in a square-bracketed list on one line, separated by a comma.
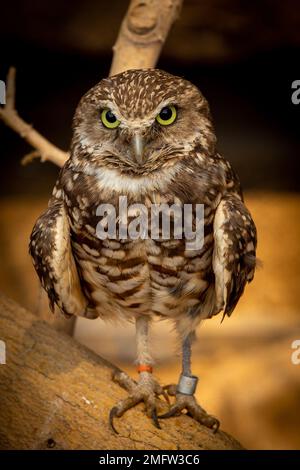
[(125, 277)]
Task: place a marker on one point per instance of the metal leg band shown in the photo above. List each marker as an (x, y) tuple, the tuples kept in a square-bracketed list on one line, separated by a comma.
[(187, 384)]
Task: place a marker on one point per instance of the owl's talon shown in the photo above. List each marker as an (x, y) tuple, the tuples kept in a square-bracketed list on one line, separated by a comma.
[(166, 396), (174, 410), (194, 410), (155, 419), (215, 426), (160, 391), (170, 389), (113, 413), (146, 390)]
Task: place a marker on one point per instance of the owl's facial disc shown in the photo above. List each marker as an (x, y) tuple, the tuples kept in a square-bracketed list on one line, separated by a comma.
[(141, 121), (138, 134)]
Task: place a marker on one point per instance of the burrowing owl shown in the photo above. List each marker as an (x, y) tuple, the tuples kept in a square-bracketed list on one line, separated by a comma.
[(146, 135)]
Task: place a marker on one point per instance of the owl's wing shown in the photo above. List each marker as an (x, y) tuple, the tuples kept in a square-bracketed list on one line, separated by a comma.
[(50, 248), (234, 256)]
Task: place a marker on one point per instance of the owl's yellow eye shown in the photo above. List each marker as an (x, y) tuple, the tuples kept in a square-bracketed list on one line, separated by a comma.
[(108, 119), (167, 115)]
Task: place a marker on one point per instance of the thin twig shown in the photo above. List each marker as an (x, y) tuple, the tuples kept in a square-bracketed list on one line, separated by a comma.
[(10, 117), (29, 157)]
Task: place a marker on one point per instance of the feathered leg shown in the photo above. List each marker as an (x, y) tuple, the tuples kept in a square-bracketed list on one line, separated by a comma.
[(147, 389), (185, 389)]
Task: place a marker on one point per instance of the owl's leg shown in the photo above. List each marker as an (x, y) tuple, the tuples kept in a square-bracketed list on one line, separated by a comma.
[(147, 389), (184, 392)]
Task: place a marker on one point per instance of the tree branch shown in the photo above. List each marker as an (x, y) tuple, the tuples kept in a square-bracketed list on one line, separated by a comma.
[(57, 394), (43, 148), (143, 33)]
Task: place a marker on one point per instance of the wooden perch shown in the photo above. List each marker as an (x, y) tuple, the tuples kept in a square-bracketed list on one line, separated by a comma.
[(57, 394), (143, 33)]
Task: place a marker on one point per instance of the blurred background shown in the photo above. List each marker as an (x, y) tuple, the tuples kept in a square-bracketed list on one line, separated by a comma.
[(244, 57)]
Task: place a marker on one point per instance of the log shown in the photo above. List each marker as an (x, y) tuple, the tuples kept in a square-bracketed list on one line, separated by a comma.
[(57, 394)]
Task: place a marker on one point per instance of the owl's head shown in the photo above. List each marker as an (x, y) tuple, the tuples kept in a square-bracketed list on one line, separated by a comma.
[(140, 121)]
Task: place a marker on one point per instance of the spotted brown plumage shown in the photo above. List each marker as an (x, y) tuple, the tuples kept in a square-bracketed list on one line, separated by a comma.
[(149, 163)]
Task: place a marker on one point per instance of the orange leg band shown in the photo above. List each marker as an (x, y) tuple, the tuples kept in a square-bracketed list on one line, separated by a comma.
[(144, 368)]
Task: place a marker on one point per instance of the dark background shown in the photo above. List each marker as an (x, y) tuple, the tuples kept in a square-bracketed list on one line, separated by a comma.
[(242, 56)]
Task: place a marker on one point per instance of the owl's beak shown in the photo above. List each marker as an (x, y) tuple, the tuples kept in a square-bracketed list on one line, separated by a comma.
[(138, 147)]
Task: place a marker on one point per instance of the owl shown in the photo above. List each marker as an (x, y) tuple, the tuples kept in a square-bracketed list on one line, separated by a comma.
[(146, 136)]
